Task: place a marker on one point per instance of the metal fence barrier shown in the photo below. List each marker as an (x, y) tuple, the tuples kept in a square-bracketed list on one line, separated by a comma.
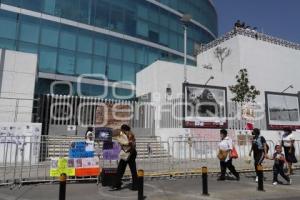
[(28, 159)]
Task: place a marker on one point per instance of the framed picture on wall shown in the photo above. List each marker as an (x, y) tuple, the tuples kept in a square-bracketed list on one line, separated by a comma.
[(282, 110), (204, 106)]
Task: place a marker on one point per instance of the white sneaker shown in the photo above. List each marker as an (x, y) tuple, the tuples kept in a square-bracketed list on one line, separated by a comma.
[(275, 183), (256, 179), (290, 182)]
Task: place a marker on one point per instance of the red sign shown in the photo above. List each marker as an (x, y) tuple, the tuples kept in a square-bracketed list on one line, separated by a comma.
[(87, 171)]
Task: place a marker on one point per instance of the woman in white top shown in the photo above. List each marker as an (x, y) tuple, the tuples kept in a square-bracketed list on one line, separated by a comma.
[(225, 147), (289, 149)]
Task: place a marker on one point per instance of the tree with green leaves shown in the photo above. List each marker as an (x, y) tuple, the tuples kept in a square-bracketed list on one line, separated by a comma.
[(243, 91)]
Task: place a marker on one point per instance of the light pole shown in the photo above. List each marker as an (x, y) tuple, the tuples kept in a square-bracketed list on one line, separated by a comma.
[(186, 18), (210, 78), (290, 86)]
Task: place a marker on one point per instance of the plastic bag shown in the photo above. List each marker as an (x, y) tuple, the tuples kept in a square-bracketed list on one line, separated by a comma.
[(234, 154)]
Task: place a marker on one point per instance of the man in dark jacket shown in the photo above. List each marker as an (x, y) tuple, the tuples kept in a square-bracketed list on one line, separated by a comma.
[(259, 148)]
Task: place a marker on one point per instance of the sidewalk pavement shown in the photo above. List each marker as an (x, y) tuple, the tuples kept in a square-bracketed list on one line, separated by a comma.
[(176, 189)]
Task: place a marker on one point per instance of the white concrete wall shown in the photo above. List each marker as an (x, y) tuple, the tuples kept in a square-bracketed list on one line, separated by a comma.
[(156, 77), (17, 82), (271, 67)]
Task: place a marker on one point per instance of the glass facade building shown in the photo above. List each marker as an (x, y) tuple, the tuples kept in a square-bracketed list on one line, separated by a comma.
[(116, 38)]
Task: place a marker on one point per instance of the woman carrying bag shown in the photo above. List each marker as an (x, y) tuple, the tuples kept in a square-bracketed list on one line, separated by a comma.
[(260, 150), (225, 156), (288, 141), (127, 155)]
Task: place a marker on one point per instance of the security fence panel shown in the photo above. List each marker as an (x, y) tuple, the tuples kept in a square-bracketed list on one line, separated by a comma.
[(30, 159)]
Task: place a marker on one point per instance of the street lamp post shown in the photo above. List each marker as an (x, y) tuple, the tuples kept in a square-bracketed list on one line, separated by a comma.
[(186, 18), (210, 78), (184, 61), (290, 86)]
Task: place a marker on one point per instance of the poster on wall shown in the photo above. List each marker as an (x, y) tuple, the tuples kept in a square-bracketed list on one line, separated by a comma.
[(204, 106), (282, 110), (21, 137)]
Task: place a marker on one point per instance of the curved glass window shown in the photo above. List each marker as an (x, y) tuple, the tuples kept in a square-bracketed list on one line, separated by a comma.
[(8, 27), (128, 72), (133, 17), (66, 62), (29, 29), (114, 70), (99, 65), (12, 2), (71, 50), (32, 4), (83, 64), (50, 34), (7, 44), (27, 47), (85, 42), (100, 46), (101, 14), (47, 59), (68, 38), (115, 50)]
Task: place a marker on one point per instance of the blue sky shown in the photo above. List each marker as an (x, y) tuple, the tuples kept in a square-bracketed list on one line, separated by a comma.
[(280, 18)]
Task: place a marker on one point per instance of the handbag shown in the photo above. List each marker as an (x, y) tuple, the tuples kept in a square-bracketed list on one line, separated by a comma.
[(124, 155), (234, 153), (222, 155)]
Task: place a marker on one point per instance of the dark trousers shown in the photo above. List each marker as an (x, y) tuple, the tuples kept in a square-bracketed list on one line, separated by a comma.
[(258, 159), (228, 165), (122, 167), (278, 169)]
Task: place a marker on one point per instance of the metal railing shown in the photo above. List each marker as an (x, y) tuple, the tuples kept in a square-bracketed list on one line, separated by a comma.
[(249, 33), (62, 111), (28, 159)]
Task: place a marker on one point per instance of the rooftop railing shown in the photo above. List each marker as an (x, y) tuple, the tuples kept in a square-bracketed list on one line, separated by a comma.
[(249, 33)]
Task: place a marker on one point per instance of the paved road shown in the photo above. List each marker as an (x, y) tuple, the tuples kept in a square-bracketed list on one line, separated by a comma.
[(178, 189)]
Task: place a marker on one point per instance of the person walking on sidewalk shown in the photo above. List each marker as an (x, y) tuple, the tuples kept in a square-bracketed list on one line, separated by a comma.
[(259, 148), (288, 141), (279, 161), (225, 148), (128, 155)]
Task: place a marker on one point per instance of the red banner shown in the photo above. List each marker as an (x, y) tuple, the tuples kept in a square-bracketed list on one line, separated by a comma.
[(87, 171)]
